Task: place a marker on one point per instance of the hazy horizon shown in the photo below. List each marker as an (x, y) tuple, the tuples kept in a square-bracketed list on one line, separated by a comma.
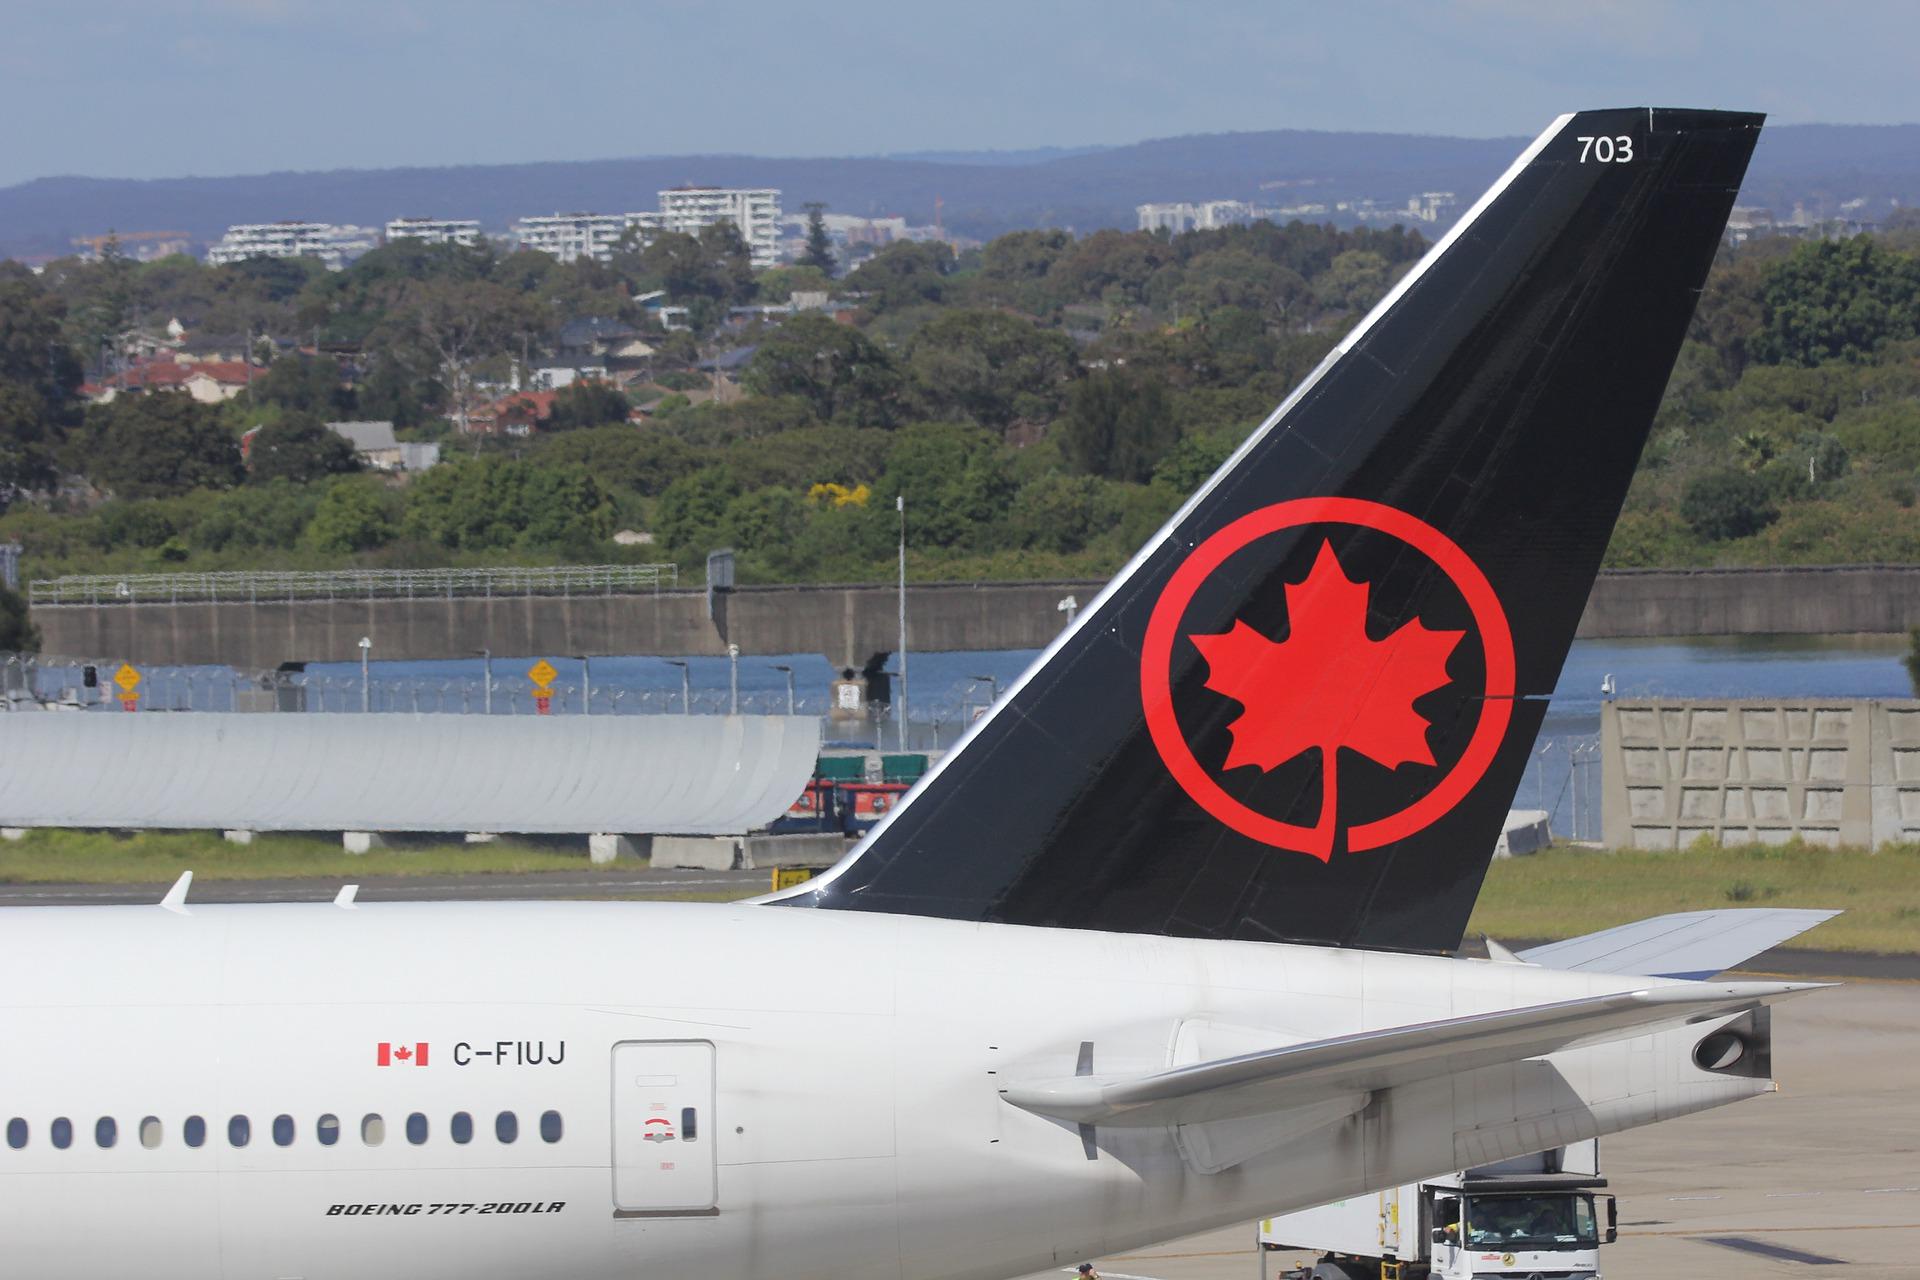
[(215, 88)]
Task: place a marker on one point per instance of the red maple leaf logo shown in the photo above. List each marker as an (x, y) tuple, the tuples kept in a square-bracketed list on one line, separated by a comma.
[(403, 1053), (1328, 685)]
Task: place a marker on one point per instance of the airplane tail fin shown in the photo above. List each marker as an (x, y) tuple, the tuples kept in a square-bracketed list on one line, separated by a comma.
[(1301, 711)]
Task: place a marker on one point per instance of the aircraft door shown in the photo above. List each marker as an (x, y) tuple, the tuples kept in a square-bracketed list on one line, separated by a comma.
[(663, 1161)]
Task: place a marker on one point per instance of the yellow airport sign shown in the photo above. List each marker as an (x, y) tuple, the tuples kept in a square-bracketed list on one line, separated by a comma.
[(787, 877), (127, 678), (542, 673)]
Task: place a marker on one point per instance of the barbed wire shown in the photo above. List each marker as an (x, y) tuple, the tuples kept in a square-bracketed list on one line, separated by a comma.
[(270, 586)]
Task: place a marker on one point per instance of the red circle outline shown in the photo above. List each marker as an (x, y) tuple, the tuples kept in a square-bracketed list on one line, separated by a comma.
[(1496, 642)]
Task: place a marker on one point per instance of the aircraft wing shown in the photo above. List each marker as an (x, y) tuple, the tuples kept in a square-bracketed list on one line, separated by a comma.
[(1321, 1071), (1688, 944)]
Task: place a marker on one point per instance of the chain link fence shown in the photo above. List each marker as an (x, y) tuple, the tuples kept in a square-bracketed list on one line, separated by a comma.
[(256, 587), (59, 683)]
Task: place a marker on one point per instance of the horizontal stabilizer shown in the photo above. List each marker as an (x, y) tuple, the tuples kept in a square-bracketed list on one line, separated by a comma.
[(1322, 1070), (1689, 944)]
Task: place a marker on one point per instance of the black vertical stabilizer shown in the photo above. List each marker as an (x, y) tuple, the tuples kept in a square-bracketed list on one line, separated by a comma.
[(1301, 712)]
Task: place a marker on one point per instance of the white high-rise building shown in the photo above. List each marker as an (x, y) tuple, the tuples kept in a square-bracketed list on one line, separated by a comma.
[(571, 236), (1204, 215), (689, 210), (463, 231), (335, 246), (755, 210)]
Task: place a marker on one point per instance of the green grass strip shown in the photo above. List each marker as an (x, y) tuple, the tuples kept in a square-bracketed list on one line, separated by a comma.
[(1564, 892)]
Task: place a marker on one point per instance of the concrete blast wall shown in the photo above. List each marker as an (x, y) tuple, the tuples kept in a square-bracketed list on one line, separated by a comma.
[(1826, 771), (850, 624), (688, 775)]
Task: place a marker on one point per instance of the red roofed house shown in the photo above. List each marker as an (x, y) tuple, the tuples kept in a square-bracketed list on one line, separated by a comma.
[(208, 381), (518, 414)]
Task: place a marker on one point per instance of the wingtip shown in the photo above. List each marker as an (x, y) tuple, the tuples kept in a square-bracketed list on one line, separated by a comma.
[(176, 899), (345, 898)]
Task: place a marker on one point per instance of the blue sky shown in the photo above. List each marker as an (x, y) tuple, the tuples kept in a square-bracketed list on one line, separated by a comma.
[(161, 88)]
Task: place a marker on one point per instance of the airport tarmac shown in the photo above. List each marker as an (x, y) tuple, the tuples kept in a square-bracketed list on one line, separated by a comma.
[(1823, 1174)]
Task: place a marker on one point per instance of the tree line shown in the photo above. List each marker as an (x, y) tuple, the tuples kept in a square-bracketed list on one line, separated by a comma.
[(1042, 403)]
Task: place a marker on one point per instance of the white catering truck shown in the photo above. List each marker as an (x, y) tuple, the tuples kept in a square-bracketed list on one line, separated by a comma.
[(1537, 1216)]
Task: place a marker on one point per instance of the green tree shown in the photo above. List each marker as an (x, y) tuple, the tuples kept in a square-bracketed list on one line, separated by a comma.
[(1354, 281), (957, 482), (715, 265), (301, 448), (988, 367), (17, 632), (33, 347), (273, 515), (839, 371), (1062, 513), (819, 250), (27, 440), (306, 385), (1721, 505), (352, 515), (1837, 300), (692, 511), (644, 461), (587, 403), (1118, 423), (1024, 257), (164, 442), (766, 521), (906, 273)]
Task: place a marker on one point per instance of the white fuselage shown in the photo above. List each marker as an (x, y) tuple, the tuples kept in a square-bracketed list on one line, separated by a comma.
[(850, 1127)]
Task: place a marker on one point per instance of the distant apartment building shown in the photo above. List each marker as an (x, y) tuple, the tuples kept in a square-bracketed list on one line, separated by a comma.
[(463, 231), (1204, 215), (754, 210), (571, 236), (335, 246), (139, 246)]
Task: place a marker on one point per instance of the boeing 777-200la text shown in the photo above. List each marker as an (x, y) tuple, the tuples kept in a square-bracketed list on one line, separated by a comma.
[(1165, 943)]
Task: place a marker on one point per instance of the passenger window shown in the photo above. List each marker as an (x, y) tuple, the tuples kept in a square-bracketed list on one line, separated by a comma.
[(506, 1127), (194, 1131), (62, 1133), (461, 1127), (689, 1124), (239, 1131), (327, 1129), (550, 1126), (416, 1128), (150, 1133), (373, 1130), (283, 1131), (16, 1133), (105, 1131)]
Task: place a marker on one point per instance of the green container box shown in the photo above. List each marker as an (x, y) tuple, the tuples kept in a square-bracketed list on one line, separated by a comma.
[(841, 768), (903, 768)]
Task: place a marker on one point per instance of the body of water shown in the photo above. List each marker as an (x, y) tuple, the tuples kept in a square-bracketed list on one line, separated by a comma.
[(946, 690)]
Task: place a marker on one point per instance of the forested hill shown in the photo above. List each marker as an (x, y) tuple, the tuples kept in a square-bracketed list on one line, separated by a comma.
[(985, 194)]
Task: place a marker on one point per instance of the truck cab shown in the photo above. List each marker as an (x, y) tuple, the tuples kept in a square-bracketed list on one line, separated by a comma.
[(1541, 1215)]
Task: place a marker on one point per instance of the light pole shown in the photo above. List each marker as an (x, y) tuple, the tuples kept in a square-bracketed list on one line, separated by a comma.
[(586, 682), (686, 685), (366, 689), (993, 688), (733, 679), (486, 659), (1068, 606), (900, 699), (789, 671)]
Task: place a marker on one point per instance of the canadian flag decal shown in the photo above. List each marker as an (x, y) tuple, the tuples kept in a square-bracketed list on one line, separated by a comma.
[(400, 1055)]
